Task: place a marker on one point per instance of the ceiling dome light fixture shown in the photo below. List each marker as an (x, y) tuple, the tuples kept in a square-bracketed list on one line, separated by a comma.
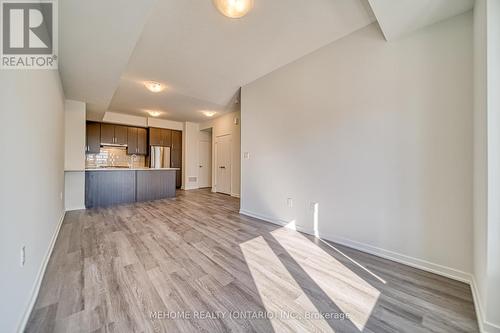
[(209, 113), (154, 113), (153, 86), (234, 8)]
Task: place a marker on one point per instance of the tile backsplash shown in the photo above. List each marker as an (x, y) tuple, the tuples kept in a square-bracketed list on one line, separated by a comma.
[(114, 156)]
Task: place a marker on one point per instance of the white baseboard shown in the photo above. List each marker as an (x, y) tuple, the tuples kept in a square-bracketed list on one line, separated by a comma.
[(488, 327), (484, 326), (75, 208), (38, 282), (380, 252), (425, 265)]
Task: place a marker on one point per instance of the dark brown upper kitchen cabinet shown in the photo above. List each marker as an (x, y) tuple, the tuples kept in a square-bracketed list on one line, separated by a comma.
[(160, 137), (113, 134), (120, 135), (132, 141), (142, 141), (176, 140), (155, 136), (93, 144), (107, 134), (166, 136), (137, 141)]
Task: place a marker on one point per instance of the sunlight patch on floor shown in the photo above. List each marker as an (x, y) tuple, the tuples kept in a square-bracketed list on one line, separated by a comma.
[(280, 293), (347, 290)]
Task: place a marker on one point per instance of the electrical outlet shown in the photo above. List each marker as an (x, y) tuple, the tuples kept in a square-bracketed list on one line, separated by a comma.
[(289, 202), (23, 255)]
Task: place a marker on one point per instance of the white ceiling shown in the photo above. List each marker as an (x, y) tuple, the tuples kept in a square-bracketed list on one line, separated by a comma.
[(96, 39), (397, 18), (201, 56), (109, 48)]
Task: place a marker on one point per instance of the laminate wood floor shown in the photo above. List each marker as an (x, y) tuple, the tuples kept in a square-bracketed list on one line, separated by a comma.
[(193, 264)]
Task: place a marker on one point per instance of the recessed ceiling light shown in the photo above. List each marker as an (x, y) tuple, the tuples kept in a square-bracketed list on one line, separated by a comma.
[(153, 86), (209, 113), (234, 8), (154, 113)]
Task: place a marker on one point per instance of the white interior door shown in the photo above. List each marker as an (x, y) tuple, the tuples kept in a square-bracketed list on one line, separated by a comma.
[(223, 165), (205, 171)]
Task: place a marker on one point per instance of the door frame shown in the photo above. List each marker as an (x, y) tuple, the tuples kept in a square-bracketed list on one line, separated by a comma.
[(215, 160)]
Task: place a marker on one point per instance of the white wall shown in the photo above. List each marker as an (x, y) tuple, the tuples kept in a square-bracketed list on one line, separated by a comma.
[(32, 182), (191, 155), (225, 125), (480, 154), (125, 119), (74, 190), (493, 61), (379, 135), (487, 163), (74, 155), (74, 135), (164, 123)]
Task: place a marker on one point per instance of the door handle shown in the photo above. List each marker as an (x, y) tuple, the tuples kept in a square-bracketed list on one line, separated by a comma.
[(201, 166), (222, 167)]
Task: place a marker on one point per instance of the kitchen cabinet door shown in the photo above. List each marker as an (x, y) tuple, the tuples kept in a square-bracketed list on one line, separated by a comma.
[(176, 162), (166, 137), (178, 179), (120, 135), (176, 140), (132, 141), (155, 138), (106, 188), (175, 158), (154, 185), (107, 134), (93, 145), (142, 141)]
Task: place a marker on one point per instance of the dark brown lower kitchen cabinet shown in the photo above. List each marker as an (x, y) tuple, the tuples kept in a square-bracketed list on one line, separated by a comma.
[(154, 185), (93, 144), (176, 155), (106, 188), (111, 187)]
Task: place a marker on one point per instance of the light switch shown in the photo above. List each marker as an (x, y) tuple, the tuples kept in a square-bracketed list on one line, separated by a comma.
[(246, 155)]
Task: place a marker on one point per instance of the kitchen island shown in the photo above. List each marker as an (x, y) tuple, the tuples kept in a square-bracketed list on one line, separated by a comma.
[(111, 186)]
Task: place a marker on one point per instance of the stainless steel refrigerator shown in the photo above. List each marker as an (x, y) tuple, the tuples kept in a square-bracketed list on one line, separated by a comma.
[(159, 157)]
